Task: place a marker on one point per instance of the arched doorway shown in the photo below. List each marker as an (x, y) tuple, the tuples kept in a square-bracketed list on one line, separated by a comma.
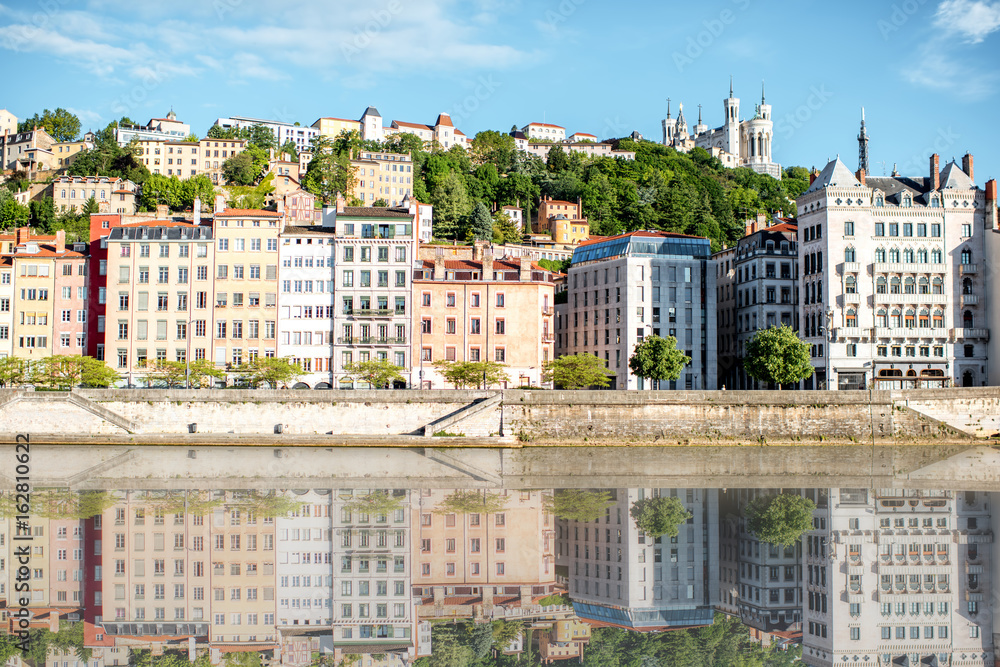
[(323, 385), (968, 379), (300, 385)]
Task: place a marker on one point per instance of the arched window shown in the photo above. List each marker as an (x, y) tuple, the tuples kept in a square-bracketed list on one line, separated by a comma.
[(907, 201), (967, 320), (63, 194), (879, 201), (936, 257), (894, 256), (966, 256), (849, 255), (910, 319), (880, 255), (922, 256), (938, 319), (897, 318), (850, 285), (908, 256), (909, 285), (882, 318), (881, 285), (852, 317), (894, 286), (935, 202), (967, 286), (925, 319), (924, 285)]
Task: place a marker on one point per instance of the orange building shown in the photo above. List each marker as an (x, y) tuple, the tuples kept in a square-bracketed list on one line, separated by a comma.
[(563, 220), (465, 313), (563, 641)]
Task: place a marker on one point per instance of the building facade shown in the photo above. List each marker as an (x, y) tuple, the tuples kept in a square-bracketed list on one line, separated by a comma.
[(157, 129), (305, 318), (892, 279), (899, 577), (483, 309), (283, 132), (624, 288), (304, 561), (184, 159), (385, 176), (112, 194)]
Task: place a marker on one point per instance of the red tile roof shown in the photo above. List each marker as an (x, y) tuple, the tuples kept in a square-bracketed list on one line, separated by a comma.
[(247, 213), (647, 233), (477, 265), (547, 125), (416, 125), (444, 119)]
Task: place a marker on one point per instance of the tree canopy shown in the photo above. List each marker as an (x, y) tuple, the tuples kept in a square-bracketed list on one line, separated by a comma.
[(659, 516), (777, 355), (579, 504), (377, 373), (470, 501), (658, 359), (61, 124), (465, 374), (575, 371), (780, 519)]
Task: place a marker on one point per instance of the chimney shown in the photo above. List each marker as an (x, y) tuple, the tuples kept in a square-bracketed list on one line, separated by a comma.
[(281, 205), (478, 247), (487, 262), (340, 203), (860, 174), (579, 208), (22, 235), (197, 211), (991, 205), (935, 172), (812, 177), (439, 268), (329, 215), (524, 272), (162, 211), (220, 203), (61, 241), (967, 166)]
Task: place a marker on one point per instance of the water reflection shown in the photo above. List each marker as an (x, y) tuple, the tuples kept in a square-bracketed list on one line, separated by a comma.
[(372, 576)]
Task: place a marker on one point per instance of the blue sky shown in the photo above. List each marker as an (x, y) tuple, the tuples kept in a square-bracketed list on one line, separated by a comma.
[(925, 70)]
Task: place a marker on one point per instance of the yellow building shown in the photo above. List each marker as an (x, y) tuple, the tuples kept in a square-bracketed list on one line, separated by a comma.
[(65, 152), (563, 220), (332, 127), (387, 176), (465, 313), (158, 295), (246, 284), (112, 194), (185, 159)]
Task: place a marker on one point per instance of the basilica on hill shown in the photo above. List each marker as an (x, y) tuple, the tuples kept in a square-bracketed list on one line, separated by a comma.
[(737, 143)]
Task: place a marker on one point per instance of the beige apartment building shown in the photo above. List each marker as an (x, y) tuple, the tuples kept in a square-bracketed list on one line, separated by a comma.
[(158, 299), (246, 284), (112, 194), (185, 159), (387, 176)]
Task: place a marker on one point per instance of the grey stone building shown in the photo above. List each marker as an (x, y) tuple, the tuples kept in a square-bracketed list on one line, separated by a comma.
[(624, 288)]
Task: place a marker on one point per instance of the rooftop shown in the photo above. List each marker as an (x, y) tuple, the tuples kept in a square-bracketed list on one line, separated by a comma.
[(374, 212)]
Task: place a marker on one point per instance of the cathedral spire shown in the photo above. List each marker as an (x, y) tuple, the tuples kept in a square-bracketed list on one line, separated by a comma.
[(730, 86), (668, 108), (863, 145), (699, 114), (762, 92)]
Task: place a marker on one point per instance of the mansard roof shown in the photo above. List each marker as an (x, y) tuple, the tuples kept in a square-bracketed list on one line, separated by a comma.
[(952, 176), (834, 174)]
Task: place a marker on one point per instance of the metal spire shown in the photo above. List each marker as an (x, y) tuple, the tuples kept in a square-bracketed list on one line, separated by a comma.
[(699, 114), (863, 145), (730, 86), (762, 92), (668, 108)]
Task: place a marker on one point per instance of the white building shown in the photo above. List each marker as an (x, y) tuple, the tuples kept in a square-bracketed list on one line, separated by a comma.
[(992, 231), (897, 577), (283, 132), (624, 288), (305, 318), (8, 122), (736, 143), (375, 253), (892, 278), (157, 129), (619, 575), (304, 568), (546, 131)]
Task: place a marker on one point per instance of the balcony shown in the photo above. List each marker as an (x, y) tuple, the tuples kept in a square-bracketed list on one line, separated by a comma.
[(915, 299), (372, 312), (548, 338), (370, 340), (852, 298), (971, 333), (850, 267), (966, 269), (883, 332), (841, 333), (970, 299), (900, 267), (547, 310)]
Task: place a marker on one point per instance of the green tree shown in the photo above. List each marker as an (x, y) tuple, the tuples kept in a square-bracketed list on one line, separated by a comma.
[(170, 373), (659, 516), (579, 504), (329, 172), (204, 373), (14, 371), (42, 214), (504, 229), (291, 149), (451, 204), (251, 196), (264, 504), (479, 224), (658, 359), (377, 373), (465, 374), (90, 207), (64, 371), (270, 371), (471, 501), (12, 213), (556, 160), (60, 124), (262, 137), (780, 519), (380, 203), (375, 503), (240, 169), (777, 355), (575, 371)]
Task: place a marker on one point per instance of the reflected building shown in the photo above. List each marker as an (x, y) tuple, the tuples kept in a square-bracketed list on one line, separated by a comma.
[(304, 554), (896, 577), (619, 576)]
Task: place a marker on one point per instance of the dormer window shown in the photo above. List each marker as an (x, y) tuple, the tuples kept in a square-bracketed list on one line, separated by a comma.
[(935, 202), (907, 201)]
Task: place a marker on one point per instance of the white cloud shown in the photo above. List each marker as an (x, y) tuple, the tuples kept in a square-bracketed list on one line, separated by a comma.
[(938, 70), (85, 115), (973, 19)]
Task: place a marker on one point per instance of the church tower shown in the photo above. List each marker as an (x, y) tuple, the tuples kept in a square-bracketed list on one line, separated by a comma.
[(669, 127), (700, 128), (731, 128), (863, 145)]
